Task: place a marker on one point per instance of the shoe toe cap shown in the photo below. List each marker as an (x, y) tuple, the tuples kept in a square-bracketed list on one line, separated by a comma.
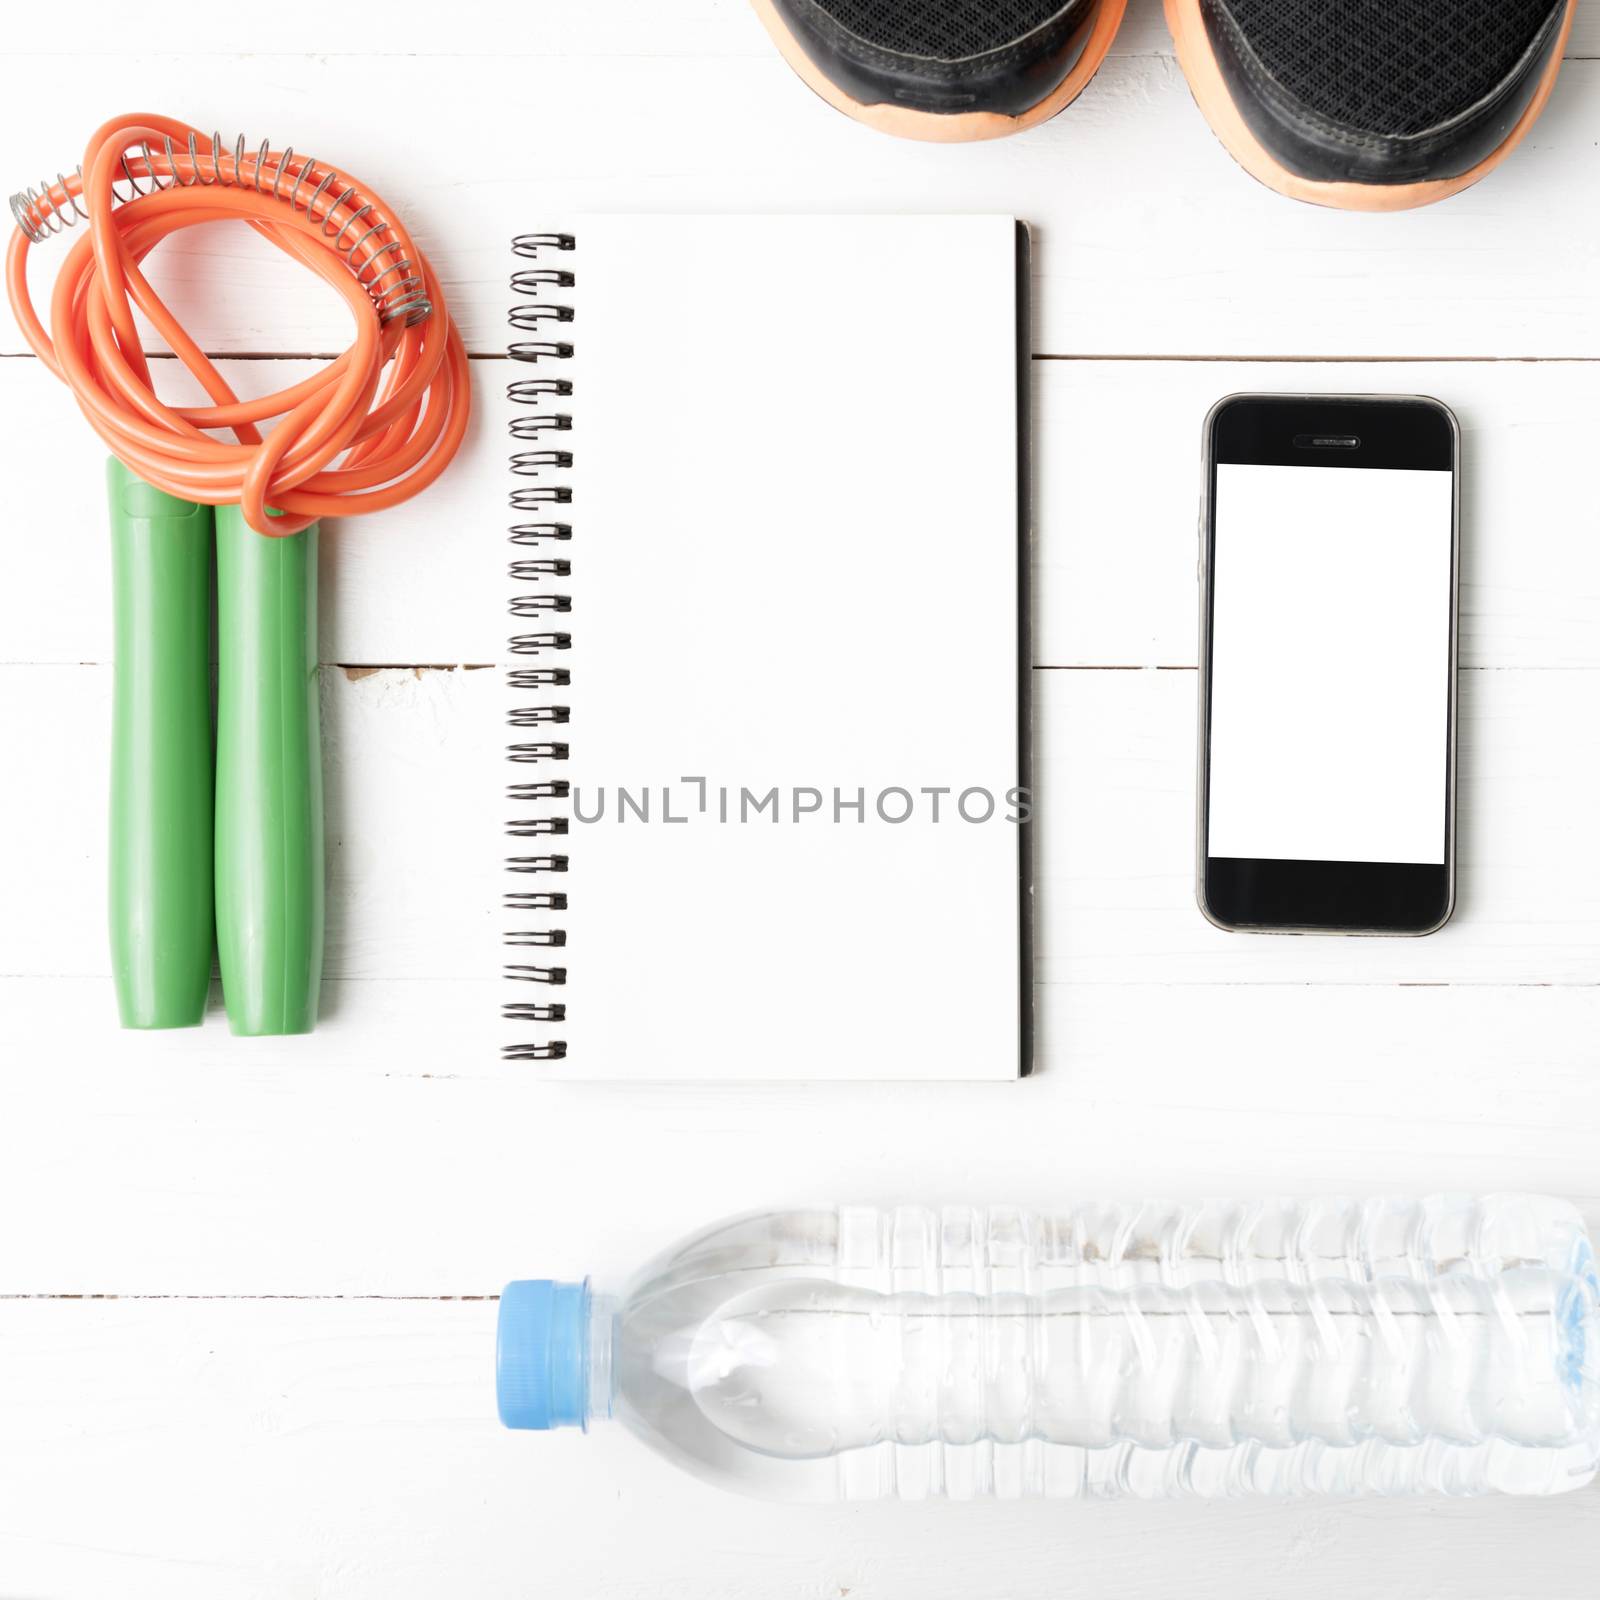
[(897, 66), (1361, 117)]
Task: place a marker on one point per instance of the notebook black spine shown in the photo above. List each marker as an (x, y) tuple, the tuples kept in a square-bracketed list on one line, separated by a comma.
[(540, 605), (1025, 942)]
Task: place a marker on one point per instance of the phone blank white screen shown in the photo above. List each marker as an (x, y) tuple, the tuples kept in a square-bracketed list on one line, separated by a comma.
[(1330, 663)]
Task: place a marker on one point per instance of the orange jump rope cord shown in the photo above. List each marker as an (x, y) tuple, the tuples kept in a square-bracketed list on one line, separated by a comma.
[(397, 400)]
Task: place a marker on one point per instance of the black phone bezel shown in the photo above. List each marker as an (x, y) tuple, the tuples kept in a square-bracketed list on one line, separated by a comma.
[(1356, 897)]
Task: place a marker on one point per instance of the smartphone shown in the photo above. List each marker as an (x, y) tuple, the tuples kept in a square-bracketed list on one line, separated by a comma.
[(1328, 575)]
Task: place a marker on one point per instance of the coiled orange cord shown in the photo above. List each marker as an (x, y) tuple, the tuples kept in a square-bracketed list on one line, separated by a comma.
[(397, 400)]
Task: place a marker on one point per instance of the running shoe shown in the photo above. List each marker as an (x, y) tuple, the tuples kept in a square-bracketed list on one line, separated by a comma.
[(1370, 105), (945, 69)]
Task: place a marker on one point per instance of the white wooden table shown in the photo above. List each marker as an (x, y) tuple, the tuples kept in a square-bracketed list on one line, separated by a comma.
[(246, 1310)]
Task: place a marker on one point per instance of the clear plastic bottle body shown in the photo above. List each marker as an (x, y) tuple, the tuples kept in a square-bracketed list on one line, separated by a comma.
[(1445, 1345)]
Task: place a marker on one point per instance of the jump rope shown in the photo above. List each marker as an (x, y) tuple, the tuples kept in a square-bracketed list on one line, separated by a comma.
[(227, 846)]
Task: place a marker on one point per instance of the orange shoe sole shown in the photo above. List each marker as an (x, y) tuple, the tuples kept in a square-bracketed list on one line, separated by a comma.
[(1200, 67), (949, 127)]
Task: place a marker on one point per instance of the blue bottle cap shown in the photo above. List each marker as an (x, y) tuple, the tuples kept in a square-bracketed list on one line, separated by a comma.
[(542, 1354)]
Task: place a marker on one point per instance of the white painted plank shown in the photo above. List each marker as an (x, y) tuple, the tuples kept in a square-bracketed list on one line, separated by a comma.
[(1149, 239), (1117, 474), (536, 28), (414, 843), (412, 819), (353, 1163), (1115, 783), (248, 1451)]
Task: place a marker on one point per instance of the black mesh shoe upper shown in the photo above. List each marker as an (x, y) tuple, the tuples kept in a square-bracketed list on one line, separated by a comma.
[(1382, 91), (942, 56), (945, 30), (1389, 66)]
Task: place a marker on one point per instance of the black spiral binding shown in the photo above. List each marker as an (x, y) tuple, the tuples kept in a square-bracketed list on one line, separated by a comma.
[(546, 607)]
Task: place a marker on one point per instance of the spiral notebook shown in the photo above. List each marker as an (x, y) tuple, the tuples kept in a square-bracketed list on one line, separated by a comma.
[(766, 664)]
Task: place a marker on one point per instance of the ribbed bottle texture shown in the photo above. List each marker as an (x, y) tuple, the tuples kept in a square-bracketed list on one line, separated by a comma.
[(802, 1370), (1444, 1344)]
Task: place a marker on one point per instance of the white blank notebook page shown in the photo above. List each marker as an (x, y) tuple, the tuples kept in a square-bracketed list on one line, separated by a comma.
[(794, 568)]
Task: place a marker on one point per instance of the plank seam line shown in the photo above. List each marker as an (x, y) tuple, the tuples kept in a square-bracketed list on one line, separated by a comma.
[(1079, 984), (1085, 357), (1037, 666), (402, 1299)]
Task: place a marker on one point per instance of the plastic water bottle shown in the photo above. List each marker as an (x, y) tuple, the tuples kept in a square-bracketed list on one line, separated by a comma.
[(1323, 1347)]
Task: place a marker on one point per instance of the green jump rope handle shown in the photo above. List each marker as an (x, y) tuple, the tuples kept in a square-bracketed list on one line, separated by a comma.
[(269, 778), (161, 903)]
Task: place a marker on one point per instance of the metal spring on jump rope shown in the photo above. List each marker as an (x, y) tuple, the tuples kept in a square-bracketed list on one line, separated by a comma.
[(349, 221)]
